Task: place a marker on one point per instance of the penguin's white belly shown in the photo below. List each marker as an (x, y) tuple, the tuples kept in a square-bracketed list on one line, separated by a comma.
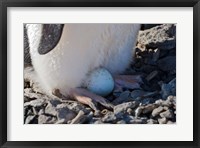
[(82, 48)]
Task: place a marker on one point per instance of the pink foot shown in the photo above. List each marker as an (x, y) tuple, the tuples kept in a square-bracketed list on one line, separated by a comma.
[(86, 97)]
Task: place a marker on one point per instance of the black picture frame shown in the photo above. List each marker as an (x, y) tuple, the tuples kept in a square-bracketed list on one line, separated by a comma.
[(99, 3)]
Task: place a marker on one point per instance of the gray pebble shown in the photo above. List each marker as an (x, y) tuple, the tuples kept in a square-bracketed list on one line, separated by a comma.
[(162, 120), (149, 108), (157, 111), (152, 121), (35, 103), (42, 119), (64, 113), (129, 111), (29, 119), (79, 119), (50, 109), (167, 114), (138, 111), (109, 117), (170, 122), (120, 109), (121, 122)]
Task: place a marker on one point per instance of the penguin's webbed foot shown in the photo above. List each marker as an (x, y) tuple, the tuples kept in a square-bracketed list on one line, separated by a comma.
[(86, 97)]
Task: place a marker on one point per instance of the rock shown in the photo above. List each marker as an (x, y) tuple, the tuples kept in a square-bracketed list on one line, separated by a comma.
[(148, 68), (41, 111), (167, 114), (98, 122), (148, 108), (137, 93), (50, 109), (30, 119), (28, 90), (161, 37), (121, 109), (109, 117), (162, 120), (76, 107), (168, 89), (35, 103), (79, 119), (122, 98), (156, 55), (129, 111), (167, 63), (157, 111), (136, 121), (170, 122), (121, 122), (138, 111), (43, 119), (55, 102), (152, 121), (63, 112), (146, 101), (148, 26), (151, 75)]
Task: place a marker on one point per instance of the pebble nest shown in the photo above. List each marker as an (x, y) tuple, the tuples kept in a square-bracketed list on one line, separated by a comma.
[(153, 103)]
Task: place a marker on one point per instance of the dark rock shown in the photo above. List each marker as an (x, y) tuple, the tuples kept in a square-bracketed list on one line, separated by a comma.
[(55, 102), (167, 63), (122, 98), (148, 26), (146, 101), (64, 113), (137, 93), (79, 119), (156, 55), (148, 69), (151, 75), (168, 89)]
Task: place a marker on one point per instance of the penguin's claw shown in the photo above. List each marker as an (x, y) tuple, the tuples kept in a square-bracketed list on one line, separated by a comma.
[(128, 81), (86, 97)]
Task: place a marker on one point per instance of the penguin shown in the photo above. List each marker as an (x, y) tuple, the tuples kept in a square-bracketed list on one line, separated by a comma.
[(63, 54)]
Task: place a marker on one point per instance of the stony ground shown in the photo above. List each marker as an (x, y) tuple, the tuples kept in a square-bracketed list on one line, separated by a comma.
[(154, 103)]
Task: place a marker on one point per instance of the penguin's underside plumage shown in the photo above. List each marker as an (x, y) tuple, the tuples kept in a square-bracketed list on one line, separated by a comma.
[(63, 55)]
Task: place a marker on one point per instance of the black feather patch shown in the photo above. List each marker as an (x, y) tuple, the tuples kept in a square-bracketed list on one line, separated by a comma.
[(51, 34)]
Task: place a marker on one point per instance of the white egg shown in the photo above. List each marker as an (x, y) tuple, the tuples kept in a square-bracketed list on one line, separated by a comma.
[(100, 82)]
